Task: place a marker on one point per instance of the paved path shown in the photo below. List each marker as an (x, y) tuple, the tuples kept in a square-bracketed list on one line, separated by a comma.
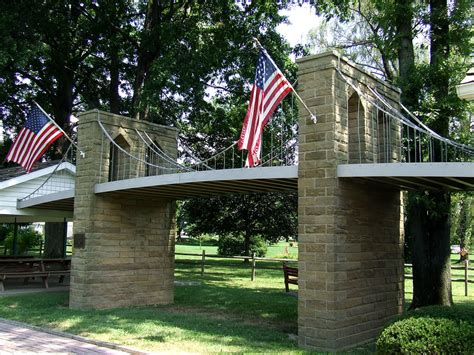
[(16, 338)]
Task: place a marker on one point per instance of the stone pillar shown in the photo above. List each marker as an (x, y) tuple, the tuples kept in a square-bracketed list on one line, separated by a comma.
[(123, 251), (350, 234)]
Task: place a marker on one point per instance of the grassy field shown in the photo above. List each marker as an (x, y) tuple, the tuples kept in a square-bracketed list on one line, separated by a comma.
[(279, 250), (224, 311), (221, 312)]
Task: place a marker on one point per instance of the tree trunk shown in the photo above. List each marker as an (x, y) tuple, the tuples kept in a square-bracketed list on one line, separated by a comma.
[(54, 240), (406, 52), (431, 251), (114, 95), (432, 246), (247, 237), (149, 50), (428, 220)]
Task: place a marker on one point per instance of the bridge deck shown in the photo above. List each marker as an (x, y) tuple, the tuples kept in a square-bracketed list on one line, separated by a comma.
[(404, 176), (413, 176), (207, 183)]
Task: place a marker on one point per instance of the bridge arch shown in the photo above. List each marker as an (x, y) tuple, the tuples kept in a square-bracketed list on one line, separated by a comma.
[(118, 167)]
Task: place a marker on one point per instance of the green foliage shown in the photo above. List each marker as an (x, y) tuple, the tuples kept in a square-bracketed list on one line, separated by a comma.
[(235, 245), (271, 216), (439, 330), (27, 238), (5, 229), (462, 219)]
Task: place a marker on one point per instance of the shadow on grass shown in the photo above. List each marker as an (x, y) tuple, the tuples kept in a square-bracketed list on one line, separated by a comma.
[(219, 318), (262, 305)]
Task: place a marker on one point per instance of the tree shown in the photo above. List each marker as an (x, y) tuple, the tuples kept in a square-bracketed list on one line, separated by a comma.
[(183, 63), (462, 226), (391, 28), (270, 216)]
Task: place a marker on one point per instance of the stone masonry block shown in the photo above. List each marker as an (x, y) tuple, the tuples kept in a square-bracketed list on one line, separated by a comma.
[(348, 233)]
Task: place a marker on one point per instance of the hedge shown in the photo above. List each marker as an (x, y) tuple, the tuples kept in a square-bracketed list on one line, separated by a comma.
[(435, 331)]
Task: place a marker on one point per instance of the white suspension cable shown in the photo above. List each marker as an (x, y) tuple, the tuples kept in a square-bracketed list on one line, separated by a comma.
[(161, 155), (213, 156), (428, 130), (398, 116), (447, 140), (125, 152), (63, 159)]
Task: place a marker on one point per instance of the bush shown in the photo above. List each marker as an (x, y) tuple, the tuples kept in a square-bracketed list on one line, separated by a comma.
[(234, 245), (4, 230), (27, 239), (427, 335)]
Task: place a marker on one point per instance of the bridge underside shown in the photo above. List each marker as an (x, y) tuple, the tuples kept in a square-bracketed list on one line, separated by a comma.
[(206, 183), (413, 176), (62, 201), (404, 176)]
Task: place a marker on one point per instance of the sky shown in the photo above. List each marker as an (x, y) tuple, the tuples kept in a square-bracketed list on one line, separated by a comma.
[(302, 19)]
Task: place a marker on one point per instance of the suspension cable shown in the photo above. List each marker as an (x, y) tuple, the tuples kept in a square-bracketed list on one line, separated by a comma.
[(125, 152), (63, 159)]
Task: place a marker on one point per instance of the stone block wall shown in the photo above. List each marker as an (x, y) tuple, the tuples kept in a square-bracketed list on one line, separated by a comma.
[(350, 235), (123, 245)]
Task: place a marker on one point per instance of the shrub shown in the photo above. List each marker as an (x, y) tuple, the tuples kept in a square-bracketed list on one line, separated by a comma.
[(427, 335), (234, 245), (27, 239)]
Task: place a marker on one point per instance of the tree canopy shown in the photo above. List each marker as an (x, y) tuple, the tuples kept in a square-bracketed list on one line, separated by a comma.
[(184, 63)]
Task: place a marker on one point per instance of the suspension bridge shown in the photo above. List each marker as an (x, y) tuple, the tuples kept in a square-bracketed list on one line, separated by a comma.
[(348, 169), (390, 146)]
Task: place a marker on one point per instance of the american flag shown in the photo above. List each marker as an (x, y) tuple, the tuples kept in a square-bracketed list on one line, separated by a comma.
[(34, 138), (269, 89)]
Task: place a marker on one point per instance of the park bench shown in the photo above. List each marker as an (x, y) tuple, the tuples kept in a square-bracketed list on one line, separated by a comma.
[(291, 276), (57, 267), (21, 269), (31, 268)]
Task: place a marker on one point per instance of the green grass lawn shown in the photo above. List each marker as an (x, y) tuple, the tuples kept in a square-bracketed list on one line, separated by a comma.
[(278, 250), (222, 312)]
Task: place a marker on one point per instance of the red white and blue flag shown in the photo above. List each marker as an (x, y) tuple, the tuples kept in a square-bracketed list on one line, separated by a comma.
[(269, 89), (34, 138)]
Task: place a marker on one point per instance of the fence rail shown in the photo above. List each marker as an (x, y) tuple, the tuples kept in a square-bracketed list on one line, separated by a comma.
[(253, 263), (252, 259), (464, 279)]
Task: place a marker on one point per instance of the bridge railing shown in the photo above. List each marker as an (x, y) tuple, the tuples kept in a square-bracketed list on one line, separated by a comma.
[(382, 130), (59, 179), (147, 158)]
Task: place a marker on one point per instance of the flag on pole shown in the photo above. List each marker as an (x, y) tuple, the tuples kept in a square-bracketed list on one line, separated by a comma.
[(34, 138), (269, 89)]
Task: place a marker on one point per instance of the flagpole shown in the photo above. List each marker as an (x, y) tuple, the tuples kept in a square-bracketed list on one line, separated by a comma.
[(313, 117), (57, 126)]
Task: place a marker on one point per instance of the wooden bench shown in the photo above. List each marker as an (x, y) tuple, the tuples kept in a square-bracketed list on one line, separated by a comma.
[(57, 267), (21, 269), (291, 276), (31, 268)]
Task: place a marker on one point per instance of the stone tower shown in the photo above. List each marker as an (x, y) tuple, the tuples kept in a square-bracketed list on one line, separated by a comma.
[(123, 244), (350, 234)]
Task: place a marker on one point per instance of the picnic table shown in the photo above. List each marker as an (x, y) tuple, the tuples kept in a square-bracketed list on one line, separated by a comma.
[(26, 268)]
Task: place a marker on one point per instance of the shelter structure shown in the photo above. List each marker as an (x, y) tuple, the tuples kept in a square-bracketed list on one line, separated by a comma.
[(15, 184)]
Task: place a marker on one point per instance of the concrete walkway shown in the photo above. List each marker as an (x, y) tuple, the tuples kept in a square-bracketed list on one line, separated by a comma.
[(20, 338)]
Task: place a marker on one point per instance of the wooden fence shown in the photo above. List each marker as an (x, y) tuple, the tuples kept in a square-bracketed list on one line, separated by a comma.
[(465, 279), (253, 265), (252, 259)]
